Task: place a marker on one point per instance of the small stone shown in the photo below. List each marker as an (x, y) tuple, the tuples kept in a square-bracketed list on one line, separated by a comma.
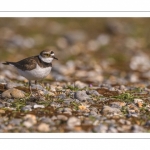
[(27, 124), (2, 105), (37, 86), (117, 104), (112, 130), (80, 85), (67, 111), (109, 110), (93, 92), (43, 127), (15, 121), (62, 117), (81, 95), (50, 93), (147, 124), (11, 85), (138, 102), (73, 121), (10, 100), (101, 128), (137, 129), (2, 111), (62, 96), (38, 106), (30, 118), (132, 108), (27, 108), (13, 93), (93, 113)]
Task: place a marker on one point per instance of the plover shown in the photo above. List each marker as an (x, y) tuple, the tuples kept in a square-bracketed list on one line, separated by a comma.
[(35, 67)]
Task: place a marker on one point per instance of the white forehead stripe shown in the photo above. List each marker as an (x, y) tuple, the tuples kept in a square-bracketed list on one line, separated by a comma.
[(47, 60)]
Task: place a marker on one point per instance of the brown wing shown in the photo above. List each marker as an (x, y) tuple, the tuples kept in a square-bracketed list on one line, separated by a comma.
[(26, 64)]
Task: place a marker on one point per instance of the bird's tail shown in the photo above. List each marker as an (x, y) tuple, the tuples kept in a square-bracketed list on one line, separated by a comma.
[(7, 63)]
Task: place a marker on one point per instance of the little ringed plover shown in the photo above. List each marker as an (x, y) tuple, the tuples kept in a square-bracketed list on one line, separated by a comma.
[(35, 67)]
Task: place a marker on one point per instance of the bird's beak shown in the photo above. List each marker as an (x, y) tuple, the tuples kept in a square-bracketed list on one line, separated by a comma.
[(55, 58)]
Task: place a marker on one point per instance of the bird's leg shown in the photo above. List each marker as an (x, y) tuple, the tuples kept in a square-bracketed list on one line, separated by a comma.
[(37, 88), (30, 87), (36, 85)]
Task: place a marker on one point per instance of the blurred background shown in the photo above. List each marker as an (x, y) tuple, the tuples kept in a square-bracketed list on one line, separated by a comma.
[(92, 50)]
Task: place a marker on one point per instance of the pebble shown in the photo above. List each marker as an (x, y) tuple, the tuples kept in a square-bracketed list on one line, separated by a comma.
[(13, 93), (43, 127), (27, 108), (11, 85), (62, 117), (93, 92), (37, 86), (100, 128), (62, 96), (110, 110), (38, 106), (73, 121), (27, 124), (93, 113), (10, 100), (138, 102), (15, 122), (81, 95), (137, 129), (30, 119), (2, 105), (147, 124), (48, 120), (2, 111), (117, 104), (67, 101), (112, 130), (67, 111), (80, 85)]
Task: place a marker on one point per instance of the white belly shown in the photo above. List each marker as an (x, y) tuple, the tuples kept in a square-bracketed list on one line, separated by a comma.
[(35, 74)]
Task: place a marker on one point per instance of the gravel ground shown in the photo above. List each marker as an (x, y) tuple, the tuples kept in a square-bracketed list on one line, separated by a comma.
[(100, 83)]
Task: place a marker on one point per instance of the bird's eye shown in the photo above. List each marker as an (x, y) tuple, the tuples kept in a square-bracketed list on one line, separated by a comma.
[(47, 55)]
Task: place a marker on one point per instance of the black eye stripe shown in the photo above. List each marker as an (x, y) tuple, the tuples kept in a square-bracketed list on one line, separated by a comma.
[(46, 54), (52, 52)]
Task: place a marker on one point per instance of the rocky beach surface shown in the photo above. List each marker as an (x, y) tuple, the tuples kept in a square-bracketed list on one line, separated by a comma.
[(99, 85)]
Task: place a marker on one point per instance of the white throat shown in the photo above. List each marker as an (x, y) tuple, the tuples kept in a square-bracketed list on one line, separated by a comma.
[(46, 60)]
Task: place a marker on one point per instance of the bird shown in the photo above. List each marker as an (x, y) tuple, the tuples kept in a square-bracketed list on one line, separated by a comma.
[(35, 67)]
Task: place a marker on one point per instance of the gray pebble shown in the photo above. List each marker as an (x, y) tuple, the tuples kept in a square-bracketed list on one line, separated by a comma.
[(112, 130), (62, 96), (10, 85), (93, 113), (100, 128), (81, 95), (27, 108), (15, 121), (136, 129), (147, 124), (67, 111), (10, 100), (2, 105), (48, 121), (67, 101), (37, 86), (93, 92), (109, 110)]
